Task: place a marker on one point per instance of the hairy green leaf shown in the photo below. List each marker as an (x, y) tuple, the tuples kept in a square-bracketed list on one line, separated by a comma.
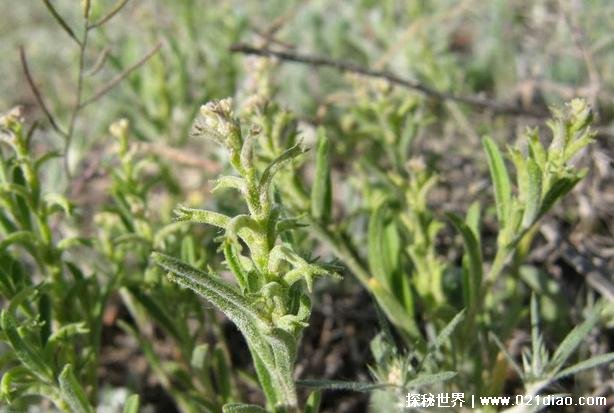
[(559, 189), (429, 379), (447, 331), (219, 293), (341, 385), (533, 194), (242, 408), (321, 192), (72, 392), (201, 216), (29, 356), (585, 365), (500, 179), (574, 338)]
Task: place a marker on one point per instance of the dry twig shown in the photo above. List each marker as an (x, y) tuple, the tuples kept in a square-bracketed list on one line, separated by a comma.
[(344, 66), (37, 93), (104, 89)]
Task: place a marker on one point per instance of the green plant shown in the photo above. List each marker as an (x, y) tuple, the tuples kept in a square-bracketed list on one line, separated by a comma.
[(540, 369), (269, 304), (50, 319), (398, 201), (128, 231), (394, 194), (93, 18)]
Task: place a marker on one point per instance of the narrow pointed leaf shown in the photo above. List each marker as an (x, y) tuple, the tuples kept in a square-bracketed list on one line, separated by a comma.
[(341, 385), (429, 379), (500, 179), (229, 182), (473, 219), (559, 189), (237, 308), (447, 331), (533, 194), (64, 333), (72, 392), (132, 404), (506, 354), (234, 263), (219, 293), (321, 196), (574, 338), (25, 238), (157, 312), (376, 246), (585, 365), (312, 405), (29, 356), (396, 313), (242, 408), (278, 163), (536, 339), (201, 216), (474, 258)]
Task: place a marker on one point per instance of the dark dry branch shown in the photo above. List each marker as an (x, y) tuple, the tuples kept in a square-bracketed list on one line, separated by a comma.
[(344, 66), (61, 21), (116, 9), (121, 76), (37, 94), (99, 62)]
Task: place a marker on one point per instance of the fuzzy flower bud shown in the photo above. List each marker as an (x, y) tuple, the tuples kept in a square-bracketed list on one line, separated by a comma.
[(217, 122), (10, 118), (119, 130), (218, 115), (580, 114), (416, 165)]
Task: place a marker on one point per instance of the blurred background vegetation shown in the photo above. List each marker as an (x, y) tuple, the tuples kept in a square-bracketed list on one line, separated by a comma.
[(123, 185)]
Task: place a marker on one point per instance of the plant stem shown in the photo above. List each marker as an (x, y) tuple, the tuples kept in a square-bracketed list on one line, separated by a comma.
[(78, 96)]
